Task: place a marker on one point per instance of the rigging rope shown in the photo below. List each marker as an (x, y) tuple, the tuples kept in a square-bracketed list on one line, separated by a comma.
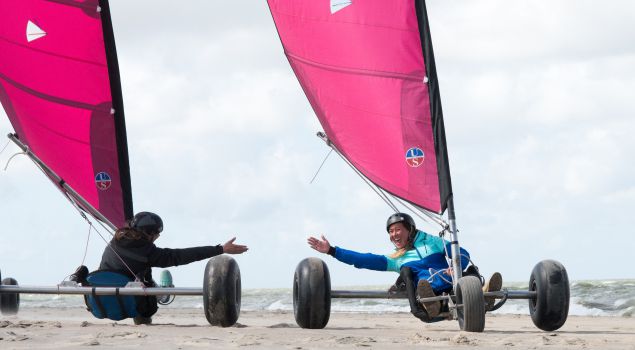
[(434, 272), (13, 156), (86, 248)]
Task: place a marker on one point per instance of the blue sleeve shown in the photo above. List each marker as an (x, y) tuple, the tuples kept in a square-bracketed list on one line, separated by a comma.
[(360, 260)]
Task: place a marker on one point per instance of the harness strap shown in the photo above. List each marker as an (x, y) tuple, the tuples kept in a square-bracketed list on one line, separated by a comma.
[(100, 306), (121, 304)]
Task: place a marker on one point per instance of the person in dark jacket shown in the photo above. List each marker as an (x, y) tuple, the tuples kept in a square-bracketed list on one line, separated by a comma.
[(132, 252)]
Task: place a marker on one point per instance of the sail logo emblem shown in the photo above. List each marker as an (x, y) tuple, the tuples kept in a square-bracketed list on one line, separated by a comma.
[(103, 181), (414, 157), (337, 5), (33, 32)]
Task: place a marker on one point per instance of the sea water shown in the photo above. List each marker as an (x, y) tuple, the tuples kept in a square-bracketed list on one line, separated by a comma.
[(588, 298)]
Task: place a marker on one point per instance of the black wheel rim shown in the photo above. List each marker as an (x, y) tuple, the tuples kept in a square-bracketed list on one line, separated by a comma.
[(533, 301)]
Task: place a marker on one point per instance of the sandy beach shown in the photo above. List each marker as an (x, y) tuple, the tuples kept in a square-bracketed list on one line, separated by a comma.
[(59, 328)]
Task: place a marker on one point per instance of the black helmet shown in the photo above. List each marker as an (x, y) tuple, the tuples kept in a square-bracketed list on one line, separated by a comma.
[(401, 217), (146, 222)]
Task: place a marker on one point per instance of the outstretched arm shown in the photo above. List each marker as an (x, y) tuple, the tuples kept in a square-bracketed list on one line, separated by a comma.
[(359, 260), (166, 257)]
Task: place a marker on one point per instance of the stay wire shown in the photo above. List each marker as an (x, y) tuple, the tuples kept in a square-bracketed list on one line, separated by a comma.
[(385, 197), (320, 168), (382, 194), (70, 199), (83, 215), (370, 184), (417, 212), (5, 146)]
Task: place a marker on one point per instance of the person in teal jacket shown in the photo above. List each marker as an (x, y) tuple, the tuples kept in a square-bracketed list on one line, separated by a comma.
[(419, 258)]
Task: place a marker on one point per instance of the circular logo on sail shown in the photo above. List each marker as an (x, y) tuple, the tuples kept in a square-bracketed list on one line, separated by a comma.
[(103, 181), (414, 157)]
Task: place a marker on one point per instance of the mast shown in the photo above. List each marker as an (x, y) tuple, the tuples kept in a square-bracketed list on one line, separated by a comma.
[(443, 165), (457, 269)]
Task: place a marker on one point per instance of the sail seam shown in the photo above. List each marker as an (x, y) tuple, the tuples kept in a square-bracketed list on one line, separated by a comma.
[(379, 115), (52, 131), (52, 54), (74, 4), (53, 99), (358, 71), (345, 22)]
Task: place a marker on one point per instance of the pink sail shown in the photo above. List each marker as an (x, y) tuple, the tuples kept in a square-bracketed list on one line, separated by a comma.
[(59, 85), (367, 68)]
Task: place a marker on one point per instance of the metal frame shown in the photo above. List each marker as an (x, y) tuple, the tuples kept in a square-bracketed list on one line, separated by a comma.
[(78, 290), (508, 294), (451, 314), (457, 269), (68, 288)]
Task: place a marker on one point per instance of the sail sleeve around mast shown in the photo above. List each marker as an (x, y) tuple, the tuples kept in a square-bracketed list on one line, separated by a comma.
[(367, 69), (60, 88), (436, 112)]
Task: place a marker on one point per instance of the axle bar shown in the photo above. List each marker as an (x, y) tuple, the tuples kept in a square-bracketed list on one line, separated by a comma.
[(371, 294), (100, 290)]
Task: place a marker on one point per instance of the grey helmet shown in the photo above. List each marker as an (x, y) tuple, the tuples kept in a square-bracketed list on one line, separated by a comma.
[(146, 222), (404, 218)]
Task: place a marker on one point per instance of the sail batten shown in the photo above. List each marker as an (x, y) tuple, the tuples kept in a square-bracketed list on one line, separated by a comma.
[(351, 70), (367, 70), (60, 88), (51, 98)]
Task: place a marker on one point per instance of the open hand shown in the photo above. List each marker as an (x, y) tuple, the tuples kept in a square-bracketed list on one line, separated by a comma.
[(230, 248), (321, 246)]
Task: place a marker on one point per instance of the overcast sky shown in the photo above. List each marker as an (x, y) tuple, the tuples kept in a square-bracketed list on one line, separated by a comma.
[(538, 99)]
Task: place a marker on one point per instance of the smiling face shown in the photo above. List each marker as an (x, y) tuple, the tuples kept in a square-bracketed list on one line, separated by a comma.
[(398, 233)]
